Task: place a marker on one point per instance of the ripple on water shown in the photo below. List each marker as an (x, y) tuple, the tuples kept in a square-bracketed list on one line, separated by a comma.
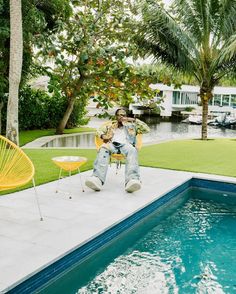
[(191, 251), (137, 272)]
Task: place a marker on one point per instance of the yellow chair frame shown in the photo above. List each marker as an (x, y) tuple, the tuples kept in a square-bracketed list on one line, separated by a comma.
[(69, 163), (16, 169), (118, 157)]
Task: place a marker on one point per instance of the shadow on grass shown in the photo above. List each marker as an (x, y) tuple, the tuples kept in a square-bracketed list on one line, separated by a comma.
[(199, 139)]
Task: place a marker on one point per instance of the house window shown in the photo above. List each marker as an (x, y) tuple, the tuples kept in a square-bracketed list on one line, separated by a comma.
[(217, 100), (225, 100), (185, 98), (176, 98), (233, 101), (189, 98)]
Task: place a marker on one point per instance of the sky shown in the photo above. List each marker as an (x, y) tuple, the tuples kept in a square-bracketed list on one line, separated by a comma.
[(168, 2)]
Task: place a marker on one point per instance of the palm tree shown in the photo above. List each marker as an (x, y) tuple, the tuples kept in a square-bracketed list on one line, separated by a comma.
[(15, 68), (197, 37)]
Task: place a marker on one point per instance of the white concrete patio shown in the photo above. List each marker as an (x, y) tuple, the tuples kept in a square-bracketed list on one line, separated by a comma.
[(28, 244)]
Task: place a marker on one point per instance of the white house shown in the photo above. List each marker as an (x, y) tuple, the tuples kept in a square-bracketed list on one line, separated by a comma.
[(224, 99)]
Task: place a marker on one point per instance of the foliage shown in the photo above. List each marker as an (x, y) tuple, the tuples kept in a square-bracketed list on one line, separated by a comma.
[(38, 110), (187, 40), (78, 115), (39, 21), (90, 55), (195, 37), (189, 109), (229, 80), (167, 74)]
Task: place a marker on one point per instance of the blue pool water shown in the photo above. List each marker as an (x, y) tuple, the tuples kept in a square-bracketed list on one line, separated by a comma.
[(186, 246)]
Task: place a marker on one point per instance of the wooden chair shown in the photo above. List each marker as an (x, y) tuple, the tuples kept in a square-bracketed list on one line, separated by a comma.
[(118, 158), (16, 169)]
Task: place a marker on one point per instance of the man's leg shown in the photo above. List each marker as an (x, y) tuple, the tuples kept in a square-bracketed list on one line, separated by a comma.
[(132, 175), (101, 164), (100, 168)]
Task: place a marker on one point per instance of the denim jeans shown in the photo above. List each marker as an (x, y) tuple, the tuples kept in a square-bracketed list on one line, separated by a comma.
[(103, 158)]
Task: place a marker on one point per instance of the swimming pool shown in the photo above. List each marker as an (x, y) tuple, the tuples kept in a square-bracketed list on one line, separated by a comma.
[(83, 140), (174, 244)]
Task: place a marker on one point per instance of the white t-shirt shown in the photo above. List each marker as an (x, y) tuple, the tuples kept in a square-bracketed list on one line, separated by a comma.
[(119, 136)]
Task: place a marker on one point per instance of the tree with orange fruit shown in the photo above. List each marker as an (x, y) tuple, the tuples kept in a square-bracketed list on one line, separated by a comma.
[(90, 56)]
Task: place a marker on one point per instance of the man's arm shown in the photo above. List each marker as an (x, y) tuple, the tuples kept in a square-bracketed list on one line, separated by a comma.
[(106, 138), (105, 133), (141, 127)]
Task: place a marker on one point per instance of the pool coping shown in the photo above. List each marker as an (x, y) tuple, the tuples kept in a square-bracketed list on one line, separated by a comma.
[(95, 242), (39, 142)]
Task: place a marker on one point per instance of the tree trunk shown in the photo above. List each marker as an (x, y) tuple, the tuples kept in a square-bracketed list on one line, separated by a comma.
[(204, 118), (66, 116), (15, 68), (70, 106), (206, 95)]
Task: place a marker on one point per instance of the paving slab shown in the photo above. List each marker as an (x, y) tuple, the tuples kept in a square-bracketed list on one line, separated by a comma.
[(27, 244)]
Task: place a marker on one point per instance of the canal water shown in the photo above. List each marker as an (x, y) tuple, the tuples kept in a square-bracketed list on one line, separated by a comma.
[(160, 131)]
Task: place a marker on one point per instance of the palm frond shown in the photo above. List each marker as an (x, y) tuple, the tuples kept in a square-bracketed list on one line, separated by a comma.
[(227, 18), (228, 52), (188, 16), (195, 36), (161, 35), (225, 68), (226, 61), (225, 58)]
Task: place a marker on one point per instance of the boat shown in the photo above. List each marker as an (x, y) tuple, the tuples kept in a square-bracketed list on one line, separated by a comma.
[(222, 119), (226, 119), (193, 119)]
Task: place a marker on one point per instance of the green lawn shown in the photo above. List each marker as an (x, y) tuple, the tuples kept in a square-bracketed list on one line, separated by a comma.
[(212, 156), (28, 136), (46, 170)]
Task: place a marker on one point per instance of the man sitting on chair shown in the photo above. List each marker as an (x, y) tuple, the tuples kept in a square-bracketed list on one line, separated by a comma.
[(119, 136)]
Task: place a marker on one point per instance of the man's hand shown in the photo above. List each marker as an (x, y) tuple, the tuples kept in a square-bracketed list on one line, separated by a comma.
[(107, 138), (128, 119)]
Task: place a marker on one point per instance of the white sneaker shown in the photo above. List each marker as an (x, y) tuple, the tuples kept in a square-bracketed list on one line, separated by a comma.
[(132, 186), (94, 183)]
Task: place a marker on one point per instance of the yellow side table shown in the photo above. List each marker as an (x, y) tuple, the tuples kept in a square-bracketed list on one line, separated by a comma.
[(69, 163)]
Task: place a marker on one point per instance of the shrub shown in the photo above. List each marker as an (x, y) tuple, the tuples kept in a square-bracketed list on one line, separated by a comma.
[(38, 110)]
